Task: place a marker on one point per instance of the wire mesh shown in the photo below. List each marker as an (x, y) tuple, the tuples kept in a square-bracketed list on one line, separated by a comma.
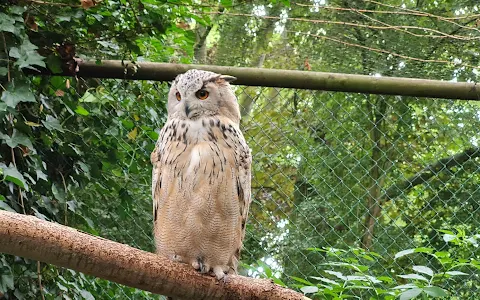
[(330, 170)]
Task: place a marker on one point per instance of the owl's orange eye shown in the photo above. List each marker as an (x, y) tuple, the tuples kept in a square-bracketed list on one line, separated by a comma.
[(179, 97), (202, 94)]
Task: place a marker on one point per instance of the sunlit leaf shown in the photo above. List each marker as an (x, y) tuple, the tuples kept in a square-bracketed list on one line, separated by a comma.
[(27, 56), (51, 123), (132, 135), (6, 281), (404, 252), (16, 94), (89, 98), (413, 276), (455, 273), (423, 269), (410, 294), (11, 174), (81, 111), (4, 205), (309, 289), (435, 291)]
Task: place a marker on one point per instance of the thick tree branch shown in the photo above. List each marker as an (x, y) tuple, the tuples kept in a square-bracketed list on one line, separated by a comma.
[(63, 246), (285, 79), (429, 171)]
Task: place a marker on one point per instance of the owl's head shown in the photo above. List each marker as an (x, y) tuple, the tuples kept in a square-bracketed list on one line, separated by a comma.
[(198, 93)]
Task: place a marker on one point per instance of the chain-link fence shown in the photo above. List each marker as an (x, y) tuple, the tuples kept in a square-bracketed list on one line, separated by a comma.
[(334, 174)]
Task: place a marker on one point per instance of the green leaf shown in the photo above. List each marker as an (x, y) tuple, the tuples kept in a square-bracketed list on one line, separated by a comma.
[(7, 282), (423, 269), (3, 71), (89, 98), (309, 289), (54, 64), (41, 175), (326, 280), (435, 291), (279, 282), (4, 205), (81, 111), (51, 123), (86, 295), (410, 294), (301, 280), (385, 279), (455, 273), (3, 107), (442, 254), (423, 250), (337, 274), (59, 194), (27, 55), (449, 237), (14, 95), (11, 174), (405, 286), (16, 139), (17, 10), (7, 23), (404, 252), (413, 276)]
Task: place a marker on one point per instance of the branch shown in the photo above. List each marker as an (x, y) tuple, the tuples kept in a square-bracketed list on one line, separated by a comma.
[(388, 27), (63, 246), (429, 171), (283, 78), (408, 12), (381, 50)]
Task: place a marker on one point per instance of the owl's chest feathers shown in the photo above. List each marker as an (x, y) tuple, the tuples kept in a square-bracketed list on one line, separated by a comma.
[(206, 146)]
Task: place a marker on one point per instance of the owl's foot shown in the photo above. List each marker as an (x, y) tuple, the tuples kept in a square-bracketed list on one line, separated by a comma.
[(200, 265), (220, 272)]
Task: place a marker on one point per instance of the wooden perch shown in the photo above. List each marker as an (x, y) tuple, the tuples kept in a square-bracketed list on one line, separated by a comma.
[(63, 246), (284, 79)]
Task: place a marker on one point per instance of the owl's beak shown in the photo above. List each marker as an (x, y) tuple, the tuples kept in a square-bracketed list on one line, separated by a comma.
[(187, 109)]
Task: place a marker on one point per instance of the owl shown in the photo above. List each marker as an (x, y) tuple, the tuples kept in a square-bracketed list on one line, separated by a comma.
[(201, 175)]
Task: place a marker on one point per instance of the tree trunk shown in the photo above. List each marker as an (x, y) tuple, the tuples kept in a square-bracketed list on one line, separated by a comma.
[(200, 49), (377, 173), (63, 246)]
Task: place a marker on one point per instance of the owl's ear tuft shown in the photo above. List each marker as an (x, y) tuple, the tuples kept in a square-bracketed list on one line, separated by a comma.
[(227, 78)]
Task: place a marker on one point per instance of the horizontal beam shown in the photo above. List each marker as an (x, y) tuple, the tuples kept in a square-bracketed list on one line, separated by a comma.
[(288, 79), (32, 238)]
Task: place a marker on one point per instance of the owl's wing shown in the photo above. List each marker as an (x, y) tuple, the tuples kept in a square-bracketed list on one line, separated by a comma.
[(244, 184), (156, 176), (157, 169)]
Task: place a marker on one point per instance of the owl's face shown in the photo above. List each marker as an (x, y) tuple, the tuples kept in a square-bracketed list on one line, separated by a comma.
[(198, 93)]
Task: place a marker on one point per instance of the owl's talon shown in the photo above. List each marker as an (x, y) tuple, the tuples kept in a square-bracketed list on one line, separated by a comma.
[(219, 272), (195, 265), (204, 268)]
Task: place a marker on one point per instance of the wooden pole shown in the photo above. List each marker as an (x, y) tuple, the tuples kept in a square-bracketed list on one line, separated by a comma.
[(287, 79), (30, 237)]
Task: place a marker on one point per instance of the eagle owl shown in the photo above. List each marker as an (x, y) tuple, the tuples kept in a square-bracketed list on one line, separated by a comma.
[(201, 175)]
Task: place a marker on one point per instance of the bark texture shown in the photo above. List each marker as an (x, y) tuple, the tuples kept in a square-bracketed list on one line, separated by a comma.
[(30, 237), (285, 79)]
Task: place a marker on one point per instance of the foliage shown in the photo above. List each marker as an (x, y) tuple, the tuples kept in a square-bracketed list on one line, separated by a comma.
[(72, 150), (352, 274)]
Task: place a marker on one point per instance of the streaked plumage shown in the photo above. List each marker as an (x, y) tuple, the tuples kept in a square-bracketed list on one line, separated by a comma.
[(201, 175)]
